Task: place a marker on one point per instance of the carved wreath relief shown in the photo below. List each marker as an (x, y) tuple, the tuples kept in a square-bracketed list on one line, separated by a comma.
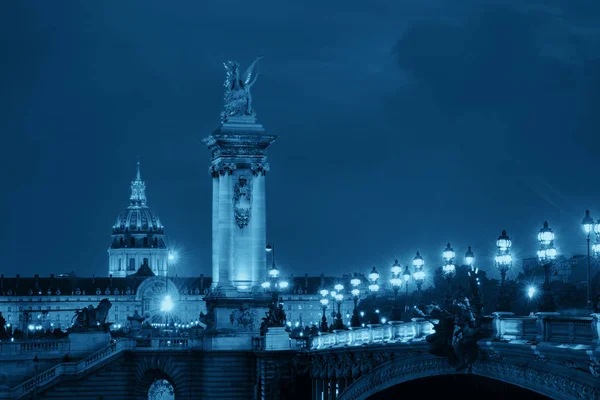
[(242, 201)]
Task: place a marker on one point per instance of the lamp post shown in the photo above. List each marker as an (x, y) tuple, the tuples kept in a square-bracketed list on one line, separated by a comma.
[(275, 285), (339, 297), (396, 282), (546, 256), (419, 274), (271, 249), (36, 362), (503, 264), (474, 283), (596, 251), (373, 289), (588, 225), (355, 282), (449, 271), (324, 302)]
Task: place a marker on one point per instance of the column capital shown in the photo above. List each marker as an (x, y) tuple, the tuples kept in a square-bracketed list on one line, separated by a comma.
[(221, 169), (259, 168)]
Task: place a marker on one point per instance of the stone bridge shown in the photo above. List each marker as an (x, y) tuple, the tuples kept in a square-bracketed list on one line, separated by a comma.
[(552, 355), (549, 354)]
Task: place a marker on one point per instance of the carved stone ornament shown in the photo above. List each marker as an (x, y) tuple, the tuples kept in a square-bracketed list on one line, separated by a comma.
[(259, 169), (555, 385), (242, 201), (227, 169), (244, 319)]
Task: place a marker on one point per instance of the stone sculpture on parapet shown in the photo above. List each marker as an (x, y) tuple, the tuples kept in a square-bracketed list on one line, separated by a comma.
[(238, 99), (92, 319)]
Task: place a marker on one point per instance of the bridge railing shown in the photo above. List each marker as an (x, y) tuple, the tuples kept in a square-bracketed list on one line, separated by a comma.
[(415, 330), (547, 327), (68, 368), (34, 346)]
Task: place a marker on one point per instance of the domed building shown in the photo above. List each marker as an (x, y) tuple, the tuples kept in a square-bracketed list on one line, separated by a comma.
[(138, 237)]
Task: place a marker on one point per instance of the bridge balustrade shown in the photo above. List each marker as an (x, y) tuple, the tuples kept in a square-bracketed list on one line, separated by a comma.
[(417, 329), (41, 346), (547, 327)]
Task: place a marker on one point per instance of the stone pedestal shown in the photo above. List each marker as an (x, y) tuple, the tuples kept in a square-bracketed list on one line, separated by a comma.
[(499, 324), (83, 344), (277, 339)]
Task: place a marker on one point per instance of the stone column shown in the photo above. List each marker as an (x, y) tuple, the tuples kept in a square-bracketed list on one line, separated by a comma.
[(326, 383), (214, 172), (258, 224), (226, 222)]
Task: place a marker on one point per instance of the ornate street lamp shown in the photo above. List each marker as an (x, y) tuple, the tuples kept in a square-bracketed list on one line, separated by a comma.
[(373, 289), (419, 274), (449, 271), (474, 283), (324, 302), (338, 324), (546, 256), (355, 282), (406, 276), (503, 264), (396, 282), (588, 225)]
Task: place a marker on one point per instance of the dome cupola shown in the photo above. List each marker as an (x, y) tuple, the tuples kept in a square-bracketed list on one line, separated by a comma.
[(138, 236)]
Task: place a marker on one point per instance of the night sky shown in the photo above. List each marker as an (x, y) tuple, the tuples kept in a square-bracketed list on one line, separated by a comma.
[(403, 125)]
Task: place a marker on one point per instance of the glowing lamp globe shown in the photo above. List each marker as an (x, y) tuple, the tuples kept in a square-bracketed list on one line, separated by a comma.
[(541, 254), (531, 292), (396, 282), (469, 257), (339, 297), (597, 227), (167, 305), (419, 276), (324, 301), (406, 274), (355, 292), (596, 249), (266, 284), (273, 272), (374, 287), (373, 275), (396, 268), (551, 253), (503, 243), (546, 236), (339, 287), (418, 261), (355, 282), (284, 284), (587, 223), (448, 253), (323, 292), (449, 269)]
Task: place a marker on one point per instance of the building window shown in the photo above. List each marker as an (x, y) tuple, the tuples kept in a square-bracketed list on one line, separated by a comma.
[(116, 308), (9, 317), (120, 268), (127, 308), (8, 309), (146, 261), (145, 242), (132, 264), (116, 317)]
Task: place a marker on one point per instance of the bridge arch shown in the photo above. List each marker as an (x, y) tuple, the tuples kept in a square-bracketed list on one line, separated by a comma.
[(555, 381), (155, 368)]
